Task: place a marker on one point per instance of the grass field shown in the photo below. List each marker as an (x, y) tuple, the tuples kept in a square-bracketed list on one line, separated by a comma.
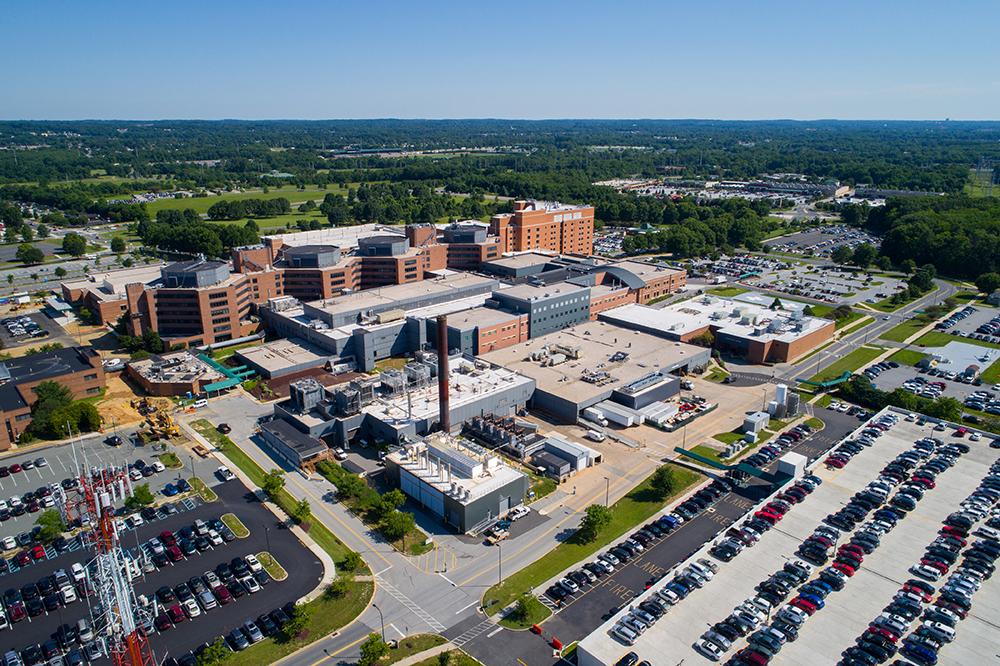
[(411, 645), (327, 615), (901, 332), (717, 375), (907, 357), (202, 204), (939, 339), (236, 525), (206, 493), (857, 327), (812, 353), (455, 658), (317, 530), (992, 374), (728, 292), (856, 359), (537, 611), (271, 566), (636, 507)]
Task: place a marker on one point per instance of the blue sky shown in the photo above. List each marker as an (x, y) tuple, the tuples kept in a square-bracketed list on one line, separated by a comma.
[(884, 59)]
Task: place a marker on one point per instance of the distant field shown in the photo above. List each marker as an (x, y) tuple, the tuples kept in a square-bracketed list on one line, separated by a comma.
[(856, 359), (901, 332), (201, 205)]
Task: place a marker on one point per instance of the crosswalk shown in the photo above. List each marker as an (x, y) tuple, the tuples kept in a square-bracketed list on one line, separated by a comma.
[(470, 634), (410, 606)]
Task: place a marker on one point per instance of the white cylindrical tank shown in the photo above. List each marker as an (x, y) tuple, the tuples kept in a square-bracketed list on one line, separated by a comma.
[(781, 397)]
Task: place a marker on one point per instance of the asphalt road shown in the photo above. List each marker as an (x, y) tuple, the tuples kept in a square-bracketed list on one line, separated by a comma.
[(589, 608), (304, 568)]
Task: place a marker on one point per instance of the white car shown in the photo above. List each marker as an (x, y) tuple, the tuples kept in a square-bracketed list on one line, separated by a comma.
[(253, 563), (68, 595), (214, 538), (339, 454), (9, 543), (251, 584), (134, 521), (708, 648), (158, 467), (77, 572), (191, 608), (518, 512), (225, 474), (924, 571)]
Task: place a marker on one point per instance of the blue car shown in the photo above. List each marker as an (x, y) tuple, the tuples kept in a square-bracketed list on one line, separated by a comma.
[(919, 654), (813, 599), (170, 490)]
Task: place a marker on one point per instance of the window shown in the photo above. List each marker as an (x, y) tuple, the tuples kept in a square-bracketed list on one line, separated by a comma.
[(90, 377), (216, 313), (219, 329), (92, 391), (23, 417)]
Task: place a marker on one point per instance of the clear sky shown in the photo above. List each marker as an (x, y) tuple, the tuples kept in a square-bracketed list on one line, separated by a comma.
[(302, 59)]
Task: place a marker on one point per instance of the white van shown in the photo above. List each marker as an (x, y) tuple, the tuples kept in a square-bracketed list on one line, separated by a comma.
[(595, 435), (201, 402), (624, 634)]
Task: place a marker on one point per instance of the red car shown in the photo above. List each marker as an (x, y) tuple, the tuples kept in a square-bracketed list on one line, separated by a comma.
[(924, 481), (15, 468), (776, 508), (38, 553), (854, 550), (917, 591), (803, 605), (222, 594), (162, 622), (176, 614), (955, 531), (17, 612), (837, 463), (879, 631), (846, 569), (934, 564), (957, 610), (769, 518), (23, 558), (168, 538), (175, 554), (752, 657)]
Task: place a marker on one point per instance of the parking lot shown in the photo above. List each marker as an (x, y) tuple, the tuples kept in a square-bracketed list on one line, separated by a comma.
[(823, 240), (846, 615), (588, 609), (60, 465), (980, 316), (266, 534)]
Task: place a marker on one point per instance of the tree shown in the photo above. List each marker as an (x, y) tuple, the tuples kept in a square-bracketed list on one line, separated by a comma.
[(766, 249), (908, 266), (29, 254), (10, 279), (141, 496), (883, 262), (396, 525), (705, 339), (74, 244), (27, 234), (522, 609), (34, 277), (390, 501), (52, 397), (598, 517), (864, 255), (43, 231), (301, 510), (128, 263), (151, 341), (663, 482), (988, 282), (808, 311), (51, 523), (273, 482), (373, 649), (60, 272), (215, 653), (10, 235), (117, 244), (352, 562), (776, 304), (297, 622), (841, 255)]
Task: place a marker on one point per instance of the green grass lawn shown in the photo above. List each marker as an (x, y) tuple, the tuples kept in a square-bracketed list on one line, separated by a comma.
[(455, 658), (707, 452), (236, 525), (857, 327), (728, 292), (537, 612), (815, 423), (856, 359), (849, 319), (411, 645), (992, 374), (635, 508), (812, 353), (202, 204), (327, 615), (907, 357), (901, 332), (728, 437), (206, 493), (939, 339), (717, 375), (317, 530)]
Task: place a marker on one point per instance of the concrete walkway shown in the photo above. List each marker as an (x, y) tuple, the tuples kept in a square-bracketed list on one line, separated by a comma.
[(426, 654), (329, 569)]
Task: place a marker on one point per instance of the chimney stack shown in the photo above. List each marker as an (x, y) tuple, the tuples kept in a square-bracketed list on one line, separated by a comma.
[(442, 352)]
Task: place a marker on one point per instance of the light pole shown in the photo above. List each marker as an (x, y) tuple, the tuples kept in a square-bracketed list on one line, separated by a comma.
[(607, 489), (381, 620), (763, 402), (267, 535), (499, 564)]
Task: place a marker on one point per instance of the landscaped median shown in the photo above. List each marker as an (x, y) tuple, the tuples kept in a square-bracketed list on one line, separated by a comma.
[(641, 503), (856, 359)]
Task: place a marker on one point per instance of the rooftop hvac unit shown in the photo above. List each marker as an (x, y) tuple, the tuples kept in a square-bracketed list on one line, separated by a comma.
[(719, 315), (394, 381)]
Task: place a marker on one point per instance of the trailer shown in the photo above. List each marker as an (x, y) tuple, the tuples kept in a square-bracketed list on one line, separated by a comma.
[(595, 415)]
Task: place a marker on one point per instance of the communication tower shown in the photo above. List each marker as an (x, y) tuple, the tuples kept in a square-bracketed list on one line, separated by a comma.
[(117, 615)]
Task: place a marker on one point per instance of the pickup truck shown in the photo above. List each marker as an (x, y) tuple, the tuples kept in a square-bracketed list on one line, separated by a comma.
[(225, 474), (497, 535)]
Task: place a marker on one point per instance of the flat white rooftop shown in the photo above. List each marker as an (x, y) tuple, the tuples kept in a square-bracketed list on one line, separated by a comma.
[(283, 354), (343, 237), (743, 320)]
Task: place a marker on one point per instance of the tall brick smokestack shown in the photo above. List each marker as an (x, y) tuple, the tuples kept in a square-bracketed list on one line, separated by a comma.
[(444, 415)]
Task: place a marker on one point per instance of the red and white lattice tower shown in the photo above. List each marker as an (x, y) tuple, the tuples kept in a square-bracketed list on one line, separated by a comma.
[(117, 615)]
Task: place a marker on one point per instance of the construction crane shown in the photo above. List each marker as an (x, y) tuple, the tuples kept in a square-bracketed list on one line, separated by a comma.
[(117, 617)]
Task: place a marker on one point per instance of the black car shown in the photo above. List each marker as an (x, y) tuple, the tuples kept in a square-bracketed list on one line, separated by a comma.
[(266, 625), (557, 593)]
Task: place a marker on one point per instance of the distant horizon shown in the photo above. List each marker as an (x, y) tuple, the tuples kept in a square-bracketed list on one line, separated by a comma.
[(315, 60), (496, 118)]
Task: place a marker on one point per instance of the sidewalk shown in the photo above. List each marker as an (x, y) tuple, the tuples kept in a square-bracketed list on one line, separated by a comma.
[(427, 654), (329, 569)]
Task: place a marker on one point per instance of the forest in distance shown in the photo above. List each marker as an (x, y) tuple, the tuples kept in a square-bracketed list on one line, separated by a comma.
[(397, 171)]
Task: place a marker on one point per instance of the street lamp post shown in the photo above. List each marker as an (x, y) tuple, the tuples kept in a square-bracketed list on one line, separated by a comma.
[(500, 564), (381, 620), (607, 489), (267, 535)]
